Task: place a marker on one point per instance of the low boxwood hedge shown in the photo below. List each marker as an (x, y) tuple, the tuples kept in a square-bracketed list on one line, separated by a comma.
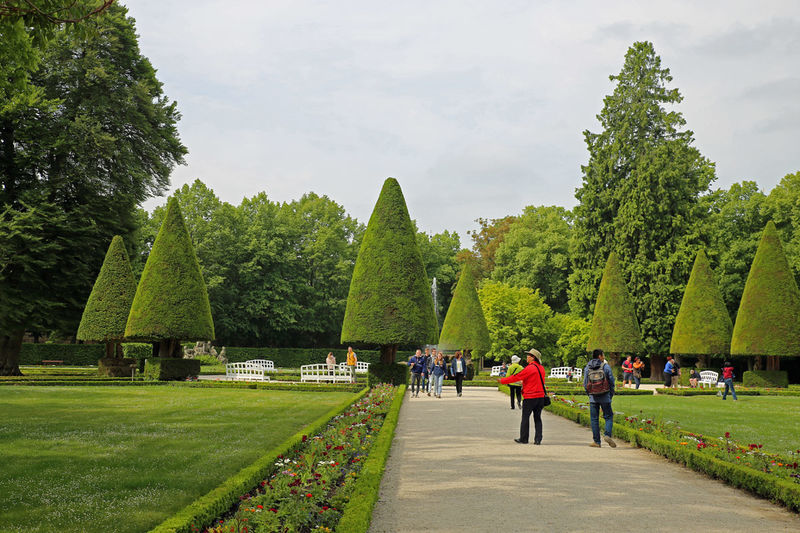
[(70, 354), (766, 378), (221, 499), (357, 514), (170, 368)]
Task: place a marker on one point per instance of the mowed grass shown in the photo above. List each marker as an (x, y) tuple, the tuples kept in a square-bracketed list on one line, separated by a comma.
[(773, 421), (124, 459)]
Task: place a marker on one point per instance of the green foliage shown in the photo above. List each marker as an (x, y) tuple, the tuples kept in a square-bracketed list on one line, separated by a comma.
[(109, 304), (766, 378), (170, 368), (703, 325), (171, 301), (782, 206), (393, 373), (71, 354), (640, 197), (465, 326), (357, 514), (535, 254), (439, 253), (137, 350), (614, 325), (115, 367), (518, 320), (390, 299), (485, 243), (768, 321)]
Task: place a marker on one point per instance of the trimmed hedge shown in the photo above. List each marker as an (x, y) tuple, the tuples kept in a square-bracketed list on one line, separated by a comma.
[(220, 500), (170, 368), (357, 514), (296, 357), (272, 385), (394, 373), (137, 350), (100, 382), (754, 481), (71, 354), (739, 392), (766, 378)]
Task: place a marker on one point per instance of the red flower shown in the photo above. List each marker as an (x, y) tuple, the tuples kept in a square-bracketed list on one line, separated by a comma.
[(273, 510), (260, 506), (309, 495), (305, 437), (727, 434)]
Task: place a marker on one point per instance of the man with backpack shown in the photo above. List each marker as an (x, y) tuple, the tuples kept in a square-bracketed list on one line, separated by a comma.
[(598, 381)]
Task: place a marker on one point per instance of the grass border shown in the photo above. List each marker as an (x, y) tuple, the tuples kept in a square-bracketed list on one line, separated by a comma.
[(357, 514), (218, 501), (739, 392), (126, 382)]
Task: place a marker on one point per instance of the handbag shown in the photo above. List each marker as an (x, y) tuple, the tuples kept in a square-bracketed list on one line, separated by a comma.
[(546, 396)]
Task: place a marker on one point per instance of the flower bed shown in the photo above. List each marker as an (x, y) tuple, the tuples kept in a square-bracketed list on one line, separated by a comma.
[(742, 465), (310, 485)]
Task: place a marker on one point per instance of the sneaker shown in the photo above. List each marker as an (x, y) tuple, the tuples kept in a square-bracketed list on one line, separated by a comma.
[(520, 441), (594, 445), (610, 441), (429, 394)]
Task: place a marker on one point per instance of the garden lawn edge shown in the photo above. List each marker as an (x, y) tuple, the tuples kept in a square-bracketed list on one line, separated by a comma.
[(126, 382), (754, 481), (218, 501), (357, 514), (739, 392)]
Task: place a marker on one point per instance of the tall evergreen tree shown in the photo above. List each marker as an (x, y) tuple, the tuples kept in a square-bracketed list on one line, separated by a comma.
[(465, 326), (109, 304), (390, 301), (768, 321), (615, 329), (639, 197), (703, 326), (171, 302)]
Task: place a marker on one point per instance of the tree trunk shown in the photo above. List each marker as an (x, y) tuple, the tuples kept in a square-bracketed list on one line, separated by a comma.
[(388, 352), (773, 362), (704, 359), (169, 348), (613, 362), (757, 364), (657, 367), (118, 350), (109, 350), (10, 346)]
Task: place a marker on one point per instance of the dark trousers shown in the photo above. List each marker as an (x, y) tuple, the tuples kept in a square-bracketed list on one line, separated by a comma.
[(535, 406), (459, 379), (515, 391), (667, 379), (415, 380)]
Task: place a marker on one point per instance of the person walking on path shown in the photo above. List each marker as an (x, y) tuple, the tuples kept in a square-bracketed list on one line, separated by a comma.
[(532, 377), (515, 391), (598, 381), (417, 364), (426, 373), (638, 369), (458, 369), (727, 377), (438, 372), (669, 369), (351, 363), (627, 372)]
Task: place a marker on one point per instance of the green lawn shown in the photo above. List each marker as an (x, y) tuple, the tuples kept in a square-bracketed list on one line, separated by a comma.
[(123, 459), (773, 421)]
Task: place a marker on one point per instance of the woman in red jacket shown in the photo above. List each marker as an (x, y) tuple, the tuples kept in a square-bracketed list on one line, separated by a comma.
[(532, 377)]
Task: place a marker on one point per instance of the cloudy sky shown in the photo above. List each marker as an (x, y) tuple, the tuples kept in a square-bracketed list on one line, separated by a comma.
[(477, 108)]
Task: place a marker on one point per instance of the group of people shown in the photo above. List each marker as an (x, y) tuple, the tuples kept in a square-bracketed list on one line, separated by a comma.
[(351, 359), (632, 372), (428, 371)]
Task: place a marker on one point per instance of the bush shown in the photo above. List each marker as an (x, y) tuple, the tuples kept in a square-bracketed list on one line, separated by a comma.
[(71, 354), (115, 367), (395, 374), (168, 368), (137, 350), (296, 357), (766, 378)]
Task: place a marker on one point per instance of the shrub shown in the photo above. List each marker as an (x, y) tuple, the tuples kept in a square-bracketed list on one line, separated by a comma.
[(137, 350), (71, 354), (394, 373), (465, 326), (115, 367), (170, 368), (766, 378)]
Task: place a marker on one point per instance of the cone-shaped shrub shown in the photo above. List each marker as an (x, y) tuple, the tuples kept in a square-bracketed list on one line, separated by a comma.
[(614, 325), (703, 325), (465, 326), (768, 321), (109, 304), (390, 300), (171, 301)]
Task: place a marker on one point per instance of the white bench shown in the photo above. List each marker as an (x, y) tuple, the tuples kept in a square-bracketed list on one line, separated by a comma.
[(245, 372), (266, 364), (361, 367), (710, 378), (562, 371), (496, 370), (321, 373)]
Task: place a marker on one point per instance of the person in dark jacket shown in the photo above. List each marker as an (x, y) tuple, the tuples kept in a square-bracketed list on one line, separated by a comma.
[(600, 401), (417, 364), (532, 378), (458, 369)]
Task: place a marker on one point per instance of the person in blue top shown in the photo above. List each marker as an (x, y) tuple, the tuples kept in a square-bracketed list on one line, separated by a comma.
[(598, 381), (669, 369), (438, 373), (417, 364)]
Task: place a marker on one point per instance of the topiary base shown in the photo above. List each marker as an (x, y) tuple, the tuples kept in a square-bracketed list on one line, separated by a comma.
[(171, 368), (113, 367), (394, 373)]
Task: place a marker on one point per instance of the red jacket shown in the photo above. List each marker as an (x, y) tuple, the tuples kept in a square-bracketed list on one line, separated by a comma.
[(531, 384)]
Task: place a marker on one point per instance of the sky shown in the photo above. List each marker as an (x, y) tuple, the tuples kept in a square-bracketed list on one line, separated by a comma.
[(477, 108)]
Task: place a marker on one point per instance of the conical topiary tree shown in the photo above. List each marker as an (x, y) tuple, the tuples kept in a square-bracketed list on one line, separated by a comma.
[(109, 304), (390, 300), (768, 321), (171, 302), (615, 329), (465, 326), (703, 326)]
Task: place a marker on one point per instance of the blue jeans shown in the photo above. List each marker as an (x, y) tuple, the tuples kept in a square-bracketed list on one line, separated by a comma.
[(608, 414), (426, 383), (637, 380), (729, 383), (437, 384)]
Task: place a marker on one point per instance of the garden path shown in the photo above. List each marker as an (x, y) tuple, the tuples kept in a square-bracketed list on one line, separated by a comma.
[(455, 467)]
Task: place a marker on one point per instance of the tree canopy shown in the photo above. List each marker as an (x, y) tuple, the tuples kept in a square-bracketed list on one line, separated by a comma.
[(768, 321), (390, 301), (465, 326), (614, 325), (703, 325)]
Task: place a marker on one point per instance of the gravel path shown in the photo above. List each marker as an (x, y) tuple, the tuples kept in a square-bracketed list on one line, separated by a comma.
[(455, 467)]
